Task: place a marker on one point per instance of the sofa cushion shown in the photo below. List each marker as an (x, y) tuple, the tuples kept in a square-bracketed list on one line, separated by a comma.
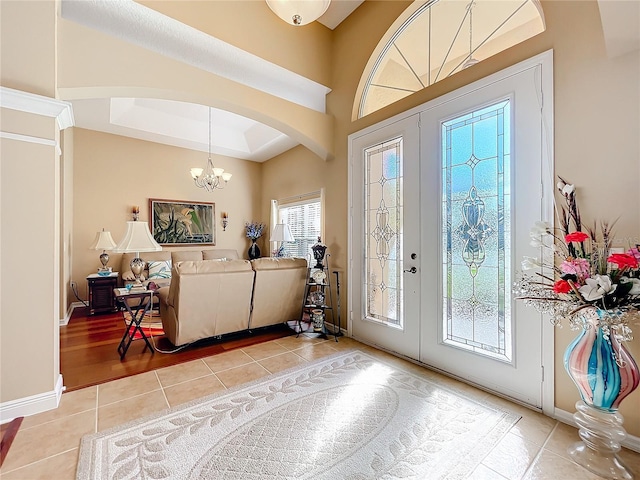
[(186, 255), (218, 253), (159, 269), (278, 263), (212, 266)]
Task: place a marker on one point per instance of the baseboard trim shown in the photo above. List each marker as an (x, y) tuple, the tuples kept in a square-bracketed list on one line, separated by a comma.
[(24, 407), (65, 321), (631, 441)]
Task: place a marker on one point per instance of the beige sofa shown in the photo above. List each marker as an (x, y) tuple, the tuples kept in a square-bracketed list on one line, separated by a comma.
[(278, 290), (208, 298), (173, 255)]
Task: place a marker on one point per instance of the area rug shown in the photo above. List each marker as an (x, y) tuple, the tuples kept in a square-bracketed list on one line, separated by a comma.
[(150, 330), (349, 416)]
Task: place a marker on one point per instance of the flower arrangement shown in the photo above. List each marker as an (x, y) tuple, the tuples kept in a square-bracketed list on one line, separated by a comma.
[(585, 275), (254, 230)]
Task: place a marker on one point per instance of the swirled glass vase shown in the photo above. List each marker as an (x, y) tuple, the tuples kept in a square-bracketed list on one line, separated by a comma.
[(605, 373)]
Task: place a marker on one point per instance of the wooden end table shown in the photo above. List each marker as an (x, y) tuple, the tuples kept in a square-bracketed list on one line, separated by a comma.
[(101, 293), (137, 312)]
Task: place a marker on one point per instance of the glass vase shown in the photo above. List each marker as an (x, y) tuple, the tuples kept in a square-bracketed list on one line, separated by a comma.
[(605, 373)]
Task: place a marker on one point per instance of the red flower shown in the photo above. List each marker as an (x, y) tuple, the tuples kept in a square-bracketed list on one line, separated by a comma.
[(561, 286), (576, 237), (623, 260)]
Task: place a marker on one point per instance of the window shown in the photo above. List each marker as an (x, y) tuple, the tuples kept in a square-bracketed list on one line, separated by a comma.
[(435, 39), (303, 214)]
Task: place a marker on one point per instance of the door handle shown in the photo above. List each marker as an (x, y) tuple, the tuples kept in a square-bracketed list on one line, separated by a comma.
[(411, 270)]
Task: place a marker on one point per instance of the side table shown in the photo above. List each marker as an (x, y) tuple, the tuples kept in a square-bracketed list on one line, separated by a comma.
[(101, 293), (137, 311)]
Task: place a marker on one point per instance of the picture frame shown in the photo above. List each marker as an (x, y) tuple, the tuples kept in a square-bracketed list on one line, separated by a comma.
[(178, 222)]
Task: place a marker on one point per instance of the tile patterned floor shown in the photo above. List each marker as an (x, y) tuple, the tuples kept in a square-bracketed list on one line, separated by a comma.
[(535, 448)]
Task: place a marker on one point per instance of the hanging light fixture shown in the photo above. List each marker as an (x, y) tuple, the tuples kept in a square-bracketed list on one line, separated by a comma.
[(298, 12), (211, 177), (470, 61)]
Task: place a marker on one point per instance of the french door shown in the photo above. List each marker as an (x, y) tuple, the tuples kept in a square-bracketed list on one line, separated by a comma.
[(442, 204), (387, 225)]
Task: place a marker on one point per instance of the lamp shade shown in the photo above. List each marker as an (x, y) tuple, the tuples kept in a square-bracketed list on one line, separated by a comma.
[(299, 12), (103, 241), (137, 238), (281, 233)]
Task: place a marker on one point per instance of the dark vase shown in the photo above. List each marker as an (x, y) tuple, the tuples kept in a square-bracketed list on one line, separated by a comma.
[(254, 250)]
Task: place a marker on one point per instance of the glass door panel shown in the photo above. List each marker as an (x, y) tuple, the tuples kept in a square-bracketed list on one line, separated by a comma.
[(383, 232), (476, 208)]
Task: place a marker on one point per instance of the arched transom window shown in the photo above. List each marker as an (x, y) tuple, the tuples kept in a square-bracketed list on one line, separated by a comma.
[(435, 39)]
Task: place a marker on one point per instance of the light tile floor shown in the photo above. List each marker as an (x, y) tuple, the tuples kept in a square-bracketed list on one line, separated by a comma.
[(47, 444)]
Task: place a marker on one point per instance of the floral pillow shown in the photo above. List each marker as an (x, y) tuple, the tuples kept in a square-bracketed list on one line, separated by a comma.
[(160, 269)]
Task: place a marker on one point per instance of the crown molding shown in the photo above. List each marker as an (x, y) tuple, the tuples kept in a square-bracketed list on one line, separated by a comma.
[(38, 104)]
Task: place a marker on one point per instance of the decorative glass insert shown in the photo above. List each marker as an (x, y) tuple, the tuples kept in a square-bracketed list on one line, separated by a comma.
[(476, 236), (383, 232), (439, 38)]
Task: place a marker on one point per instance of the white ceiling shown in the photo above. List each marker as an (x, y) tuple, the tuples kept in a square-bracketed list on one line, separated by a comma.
[(185, 125)]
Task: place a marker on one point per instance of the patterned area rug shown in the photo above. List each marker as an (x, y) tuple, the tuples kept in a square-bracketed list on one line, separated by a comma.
[(348, 416)]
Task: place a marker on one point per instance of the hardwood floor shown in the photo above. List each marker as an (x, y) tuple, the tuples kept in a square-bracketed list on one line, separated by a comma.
[(89, 356), (8, 432)]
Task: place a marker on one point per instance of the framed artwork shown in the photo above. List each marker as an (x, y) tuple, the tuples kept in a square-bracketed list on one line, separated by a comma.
[(174, 222)]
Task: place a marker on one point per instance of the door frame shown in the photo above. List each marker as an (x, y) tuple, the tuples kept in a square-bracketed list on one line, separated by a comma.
[(543, 63)]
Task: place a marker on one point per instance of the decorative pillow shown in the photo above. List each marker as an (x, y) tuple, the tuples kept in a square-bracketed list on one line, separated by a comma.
[(161, 269)]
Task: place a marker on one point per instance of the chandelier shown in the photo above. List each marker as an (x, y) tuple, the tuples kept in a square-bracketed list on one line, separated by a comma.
[(211, 177), (299, 12)]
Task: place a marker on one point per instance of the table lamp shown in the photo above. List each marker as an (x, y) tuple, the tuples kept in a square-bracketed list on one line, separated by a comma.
[(104, 242), (137, 239), (281, 233)]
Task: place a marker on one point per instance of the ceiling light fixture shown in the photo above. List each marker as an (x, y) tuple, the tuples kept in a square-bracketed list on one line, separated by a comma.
[(212, 177), (470, 61), (298, 12)]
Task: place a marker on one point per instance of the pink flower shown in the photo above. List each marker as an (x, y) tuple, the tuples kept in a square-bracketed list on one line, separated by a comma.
[(635, 252), (577, 266)]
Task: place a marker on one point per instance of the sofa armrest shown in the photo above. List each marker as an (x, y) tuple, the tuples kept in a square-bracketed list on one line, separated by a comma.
[(163, 295)]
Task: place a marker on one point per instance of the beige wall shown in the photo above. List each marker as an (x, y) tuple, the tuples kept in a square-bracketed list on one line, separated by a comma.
[(29, 208), (29, 282), (66, 221), (28, 42), (112, 173)]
